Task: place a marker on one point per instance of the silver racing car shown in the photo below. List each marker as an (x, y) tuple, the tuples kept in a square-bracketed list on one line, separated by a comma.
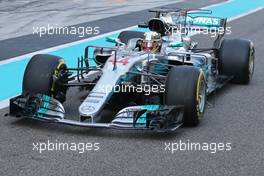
[(155, 80)]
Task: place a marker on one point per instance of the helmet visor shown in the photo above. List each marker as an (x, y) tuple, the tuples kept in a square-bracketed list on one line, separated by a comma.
[(148, 45)]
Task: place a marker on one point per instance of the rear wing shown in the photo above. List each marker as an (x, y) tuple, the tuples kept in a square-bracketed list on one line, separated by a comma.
[(214, 24), (160, 12), (206, 21), (167, 20), (195, 17)]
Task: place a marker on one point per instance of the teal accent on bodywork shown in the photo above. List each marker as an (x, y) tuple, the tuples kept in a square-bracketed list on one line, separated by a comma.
[(176, 44), (44, 105), (151, 107), (112, 40), (142, 119)]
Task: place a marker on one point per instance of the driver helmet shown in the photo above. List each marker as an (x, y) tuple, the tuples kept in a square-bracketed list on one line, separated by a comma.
[(151, 42)]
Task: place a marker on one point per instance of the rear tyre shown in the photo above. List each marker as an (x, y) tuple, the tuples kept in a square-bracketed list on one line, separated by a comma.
[(39, 76), (236, 58), (186, 85), (125, 36)]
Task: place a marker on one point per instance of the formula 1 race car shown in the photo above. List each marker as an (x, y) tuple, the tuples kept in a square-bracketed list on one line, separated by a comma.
[(155, 80)]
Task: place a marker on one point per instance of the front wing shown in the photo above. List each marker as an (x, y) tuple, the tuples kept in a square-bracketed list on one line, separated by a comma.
[(146, 117)]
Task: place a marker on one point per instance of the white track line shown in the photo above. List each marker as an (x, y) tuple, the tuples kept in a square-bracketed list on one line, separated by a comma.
[(5, 103), (48, 50)]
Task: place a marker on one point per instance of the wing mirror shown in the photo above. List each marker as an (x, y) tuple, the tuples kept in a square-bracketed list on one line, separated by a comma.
[(114, 40)]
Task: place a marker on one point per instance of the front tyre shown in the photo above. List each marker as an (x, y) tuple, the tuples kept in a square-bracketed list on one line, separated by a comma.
[(186, 85), (40, 74)]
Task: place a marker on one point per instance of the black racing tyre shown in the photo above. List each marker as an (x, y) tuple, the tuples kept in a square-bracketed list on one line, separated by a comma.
[(186, 85), (236, 58), (39, 76), (127, 35)]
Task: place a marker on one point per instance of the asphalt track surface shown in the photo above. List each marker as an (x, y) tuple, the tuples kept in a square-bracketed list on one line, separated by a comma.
[(237, 118)]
